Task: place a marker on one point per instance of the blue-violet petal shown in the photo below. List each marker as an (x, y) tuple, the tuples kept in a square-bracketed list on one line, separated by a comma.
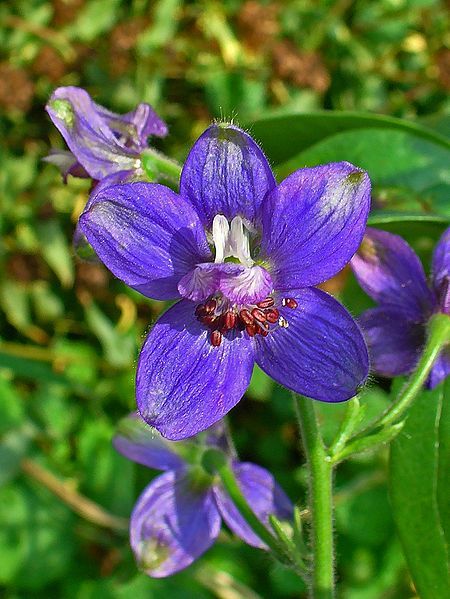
[(226, 173), (321, 354), (146, 235), (313, 223), (184, 384), (172, 524)]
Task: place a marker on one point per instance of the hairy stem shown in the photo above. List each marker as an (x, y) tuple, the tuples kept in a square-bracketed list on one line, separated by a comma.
[(320, 500), (284, 554), (158, 166)]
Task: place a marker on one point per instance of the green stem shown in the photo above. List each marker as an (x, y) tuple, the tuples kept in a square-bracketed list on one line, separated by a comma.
[(438, 337), (216, 462), (320, 500), (351, 419), (158, 166)]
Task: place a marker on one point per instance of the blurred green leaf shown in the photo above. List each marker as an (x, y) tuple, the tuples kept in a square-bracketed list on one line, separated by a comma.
[(284, 136), (420, 491), (80, 360), (14, 301), (47, 305), (11, 406), (261, 385), (56, 250), (13, 447), (55, 410), (29, 369), (391, 157), (96, 18), (384, 217), (366, 518), (108, 477), (164, 26), (119, 347), (36, 544)]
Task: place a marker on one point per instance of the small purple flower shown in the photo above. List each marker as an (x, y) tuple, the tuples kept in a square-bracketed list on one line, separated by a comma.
[(101, 142), (178, 516), (242, 255), (390, 272)]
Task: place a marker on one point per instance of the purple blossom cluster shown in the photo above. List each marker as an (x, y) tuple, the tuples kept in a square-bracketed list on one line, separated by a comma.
[(241, 257), (178, 516), (390, 272)]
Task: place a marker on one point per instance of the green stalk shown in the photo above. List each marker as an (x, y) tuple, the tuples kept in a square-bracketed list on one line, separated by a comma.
[(158, 166), (438, 337), (320, 500), (215, 462), (351, 419)]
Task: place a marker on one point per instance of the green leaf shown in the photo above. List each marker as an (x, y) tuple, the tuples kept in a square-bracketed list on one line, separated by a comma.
[(14, 301), (29, 369), (366, 517), (420, 492), (165, 24), (385, 217), (369, 443), (261, 385), (11, 405), (119, 347), (96, 18), (13, 447), (56, 251), (284, 135), (396, 159), (108, 476), (36, 544)]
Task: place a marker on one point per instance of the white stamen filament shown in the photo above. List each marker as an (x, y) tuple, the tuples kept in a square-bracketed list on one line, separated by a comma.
[(231, 241), (220, 234)]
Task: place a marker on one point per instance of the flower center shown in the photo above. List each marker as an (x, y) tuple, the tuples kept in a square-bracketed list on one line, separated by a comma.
[(258, 319), (235, 293)]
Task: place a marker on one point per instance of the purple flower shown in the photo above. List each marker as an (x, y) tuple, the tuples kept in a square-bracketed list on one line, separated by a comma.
[(178, 516), (101, 142), (242, 255), (390, 272)]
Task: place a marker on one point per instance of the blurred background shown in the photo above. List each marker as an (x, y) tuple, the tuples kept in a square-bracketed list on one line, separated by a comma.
[(70, 333)]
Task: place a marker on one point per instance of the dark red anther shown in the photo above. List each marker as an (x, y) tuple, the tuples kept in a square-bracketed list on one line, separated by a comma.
[(216, 338), (267, 303), (290, 302), (272, 315), (229, 320), (263, 332), (210, 306), (246, 317), (251, 329), (258, 315), (210, 320)]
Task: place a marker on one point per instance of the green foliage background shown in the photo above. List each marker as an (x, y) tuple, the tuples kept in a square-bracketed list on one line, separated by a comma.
[(70, 333)]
